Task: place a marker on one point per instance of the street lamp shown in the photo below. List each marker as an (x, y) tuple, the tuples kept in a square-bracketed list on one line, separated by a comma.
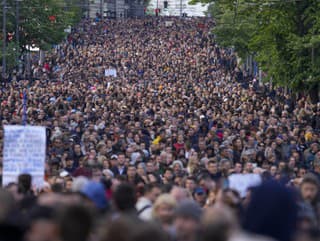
[(17, 30), (4, 40)]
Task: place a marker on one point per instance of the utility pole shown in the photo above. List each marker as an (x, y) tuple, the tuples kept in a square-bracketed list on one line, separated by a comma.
[(88, 8), (157, 9), (101, 9), (180, 8), (17, 30), (4, 33)]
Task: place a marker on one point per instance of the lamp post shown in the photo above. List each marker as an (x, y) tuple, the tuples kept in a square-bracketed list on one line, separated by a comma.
[(101, 9), (17, 30), (4, 43), (157, 9)]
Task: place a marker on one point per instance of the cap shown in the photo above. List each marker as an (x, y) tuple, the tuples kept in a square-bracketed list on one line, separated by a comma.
[(64, 173), (96, 193), (199, 191), (114, 157)]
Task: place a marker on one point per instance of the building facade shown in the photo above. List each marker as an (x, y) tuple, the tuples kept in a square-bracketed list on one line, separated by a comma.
[(116, 8), (176, 8)]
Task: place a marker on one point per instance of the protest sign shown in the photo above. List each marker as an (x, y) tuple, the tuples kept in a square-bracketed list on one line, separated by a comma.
[(24, 152), (169, 23), (110, 72), (241, 182)]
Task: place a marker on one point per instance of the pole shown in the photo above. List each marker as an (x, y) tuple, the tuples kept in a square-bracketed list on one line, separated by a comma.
[(4, 33), (88, 9), (101, 9), (17, 31), (180, 8), (157, 9)]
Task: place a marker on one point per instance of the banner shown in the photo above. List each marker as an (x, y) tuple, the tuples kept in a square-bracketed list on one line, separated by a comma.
[(24, 152)]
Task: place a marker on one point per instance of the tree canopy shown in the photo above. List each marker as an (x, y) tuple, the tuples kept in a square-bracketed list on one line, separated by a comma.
[(282, 35), (41, 23)]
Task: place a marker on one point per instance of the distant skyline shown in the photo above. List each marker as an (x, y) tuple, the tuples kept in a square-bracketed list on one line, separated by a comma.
[(174, 7)]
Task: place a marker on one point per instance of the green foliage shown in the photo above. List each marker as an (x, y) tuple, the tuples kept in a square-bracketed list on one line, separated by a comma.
[(44, 21), (283, 36), (11, 54), (41, 22)]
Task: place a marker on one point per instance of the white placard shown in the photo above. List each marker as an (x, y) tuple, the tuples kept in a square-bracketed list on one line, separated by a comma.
[(110, 72), (168, 23), (24, 152), (241, 182)]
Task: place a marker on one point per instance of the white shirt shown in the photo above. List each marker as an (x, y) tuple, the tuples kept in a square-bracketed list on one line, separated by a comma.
[(146, 215)]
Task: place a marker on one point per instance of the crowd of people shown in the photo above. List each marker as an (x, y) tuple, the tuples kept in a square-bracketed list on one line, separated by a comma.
[(146, 121)]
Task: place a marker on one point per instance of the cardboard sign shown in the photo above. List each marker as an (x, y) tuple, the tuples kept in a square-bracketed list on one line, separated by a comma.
[(24, 152)]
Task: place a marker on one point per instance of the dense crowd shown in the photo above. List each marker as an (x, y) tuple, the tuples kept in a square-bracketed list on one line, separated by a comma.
[(146, 119)]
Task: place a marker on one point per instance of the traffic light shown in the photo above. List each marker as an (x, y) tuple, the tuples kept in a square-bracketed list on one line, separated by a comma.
[(10, 37)]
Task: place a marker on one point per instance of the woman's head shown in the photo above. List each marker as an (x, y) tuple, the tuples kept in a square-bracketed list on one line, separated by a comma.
[(163, 209)]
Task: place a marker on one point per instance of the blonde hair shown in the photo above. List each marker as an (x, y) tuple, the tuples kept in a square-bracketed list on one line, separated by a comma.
[(166, 199)]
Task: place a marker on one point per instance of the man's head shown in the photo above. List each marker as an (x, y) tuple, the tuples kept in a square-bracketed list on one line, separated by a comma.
[(77, 149), (150, 167), (309, 188), (24, 183), (168, 174), (43, 225), (187, 222), (200, 196), (152, 192), (121, 159), (69, 162), (124, 197), (190, 184), (212, 167), (179, 194), (316, 164), (132, 171)]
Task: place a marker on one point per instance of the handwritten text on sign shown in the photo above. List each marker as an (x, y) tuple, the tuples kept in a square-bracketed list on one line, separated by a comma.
[(24, 152)]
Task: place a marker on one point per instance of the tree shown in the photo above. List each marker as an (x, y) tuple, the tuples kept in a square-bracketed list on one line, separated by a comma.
[(41, 23), (284, 37)]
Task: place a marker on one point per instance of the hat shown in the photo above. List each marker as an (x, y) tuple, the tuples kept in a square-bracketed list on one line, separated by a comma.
[(52, 99), (177, 162), (189, 209), (64, 173), (96, 193), (114, 157), (199, 191)]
